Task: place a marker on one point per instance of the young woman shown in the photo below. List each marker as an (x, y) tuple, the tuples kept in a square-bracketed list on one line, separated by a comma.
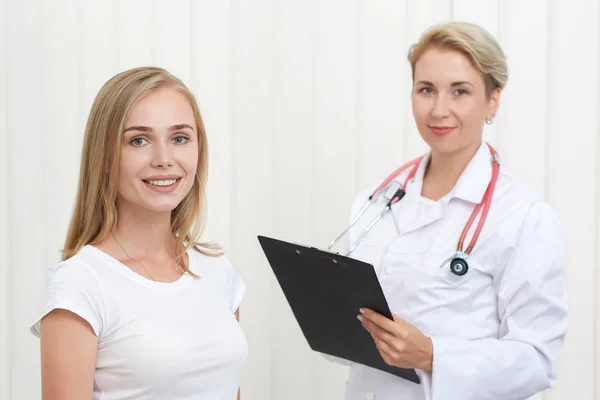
[(139, 308), (470, 259)]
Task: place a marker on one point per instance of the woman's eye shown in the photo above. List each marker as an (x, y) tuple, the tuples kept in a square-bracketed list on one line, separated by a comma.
[(138, 141), (461, 91), (426, 90), (181, 139)]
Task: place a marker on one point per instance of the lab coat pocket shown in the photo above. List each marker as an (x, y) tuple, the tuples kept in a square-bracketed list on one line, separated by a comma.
[(426, 270), (428, 295), (437, 268)]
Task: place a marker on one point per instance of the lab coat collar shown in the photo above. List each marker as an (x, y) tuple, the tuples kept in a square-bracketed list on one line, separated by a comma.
[(473, 181), (471, 187)]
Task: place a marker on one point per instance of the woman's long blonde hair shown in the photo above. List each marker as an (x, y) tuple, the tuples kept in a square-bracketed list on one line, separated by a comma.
[(95, 215)]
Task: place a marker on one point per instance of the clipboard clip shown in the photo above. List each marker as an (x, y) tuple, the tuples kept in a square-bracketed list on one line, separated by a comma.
[(337, 253)]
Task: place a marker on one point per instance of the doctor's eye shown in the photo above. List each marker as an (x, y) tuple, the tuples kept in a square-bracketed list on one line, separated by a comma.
[(426, 90), (460, 92)]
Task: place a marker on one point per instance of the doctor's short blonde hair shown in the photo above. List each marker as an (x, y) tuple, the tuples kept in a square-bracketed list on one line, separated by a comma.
[(477, 44)]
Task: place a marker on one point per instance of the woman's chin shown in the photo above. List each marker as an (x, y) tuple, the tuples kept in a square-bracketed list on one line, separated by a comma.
[(154, 207), (162, 208)]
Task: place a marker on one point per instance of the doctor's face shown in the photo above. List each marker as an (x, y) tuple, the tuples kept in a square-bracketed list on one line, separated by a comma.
[(449, 101), (159, 153)]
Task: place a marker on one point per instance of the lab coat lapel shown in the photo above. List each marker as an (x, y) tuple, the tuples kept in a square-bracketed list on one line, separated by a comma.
[(474, 180), (411, 221), (405, 211)]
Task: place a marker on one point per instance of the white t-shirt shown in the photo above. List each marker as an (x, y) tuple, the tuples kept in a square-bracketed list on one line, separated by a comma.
[(175, 341)]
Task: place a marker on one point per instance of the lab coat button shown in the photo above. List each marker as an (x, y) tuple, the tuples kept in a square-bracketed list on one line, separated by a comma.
[(370, 396), (389, 270)]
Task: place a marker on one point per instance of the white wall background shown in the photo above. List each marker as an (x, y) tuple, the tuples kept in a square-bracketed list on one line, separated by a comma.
[(305, 101)]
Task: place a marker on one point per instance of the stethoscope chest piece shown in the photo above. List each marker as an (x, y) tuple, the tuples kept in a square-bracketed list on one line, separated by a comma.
[(459, 266)]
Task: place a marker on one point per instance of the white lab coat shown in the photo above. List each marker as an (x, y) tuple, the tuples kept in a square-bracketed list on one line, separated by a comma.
[(498, 330)]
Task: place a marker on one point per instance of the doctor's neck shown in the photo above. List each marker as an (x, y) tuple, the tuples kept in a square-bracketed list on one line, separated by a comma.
[(444, 170)]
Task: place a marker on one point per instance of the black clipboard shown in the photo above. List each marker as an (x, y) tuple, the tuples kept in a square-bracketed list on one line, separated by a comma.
[(325, 291)]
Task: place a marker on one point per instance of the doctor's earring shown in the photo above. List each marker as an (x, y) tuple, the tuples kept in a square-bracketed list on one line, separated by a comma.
[(489, 121)]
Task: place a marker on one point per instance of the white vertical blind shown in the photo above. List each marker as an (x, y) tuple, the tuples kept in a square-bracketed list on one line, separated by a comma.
[(5, 308)]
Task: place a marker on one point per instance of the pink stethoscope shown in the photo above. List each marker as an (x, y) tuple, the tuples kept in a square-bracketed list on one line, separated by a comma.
[(393, 192)]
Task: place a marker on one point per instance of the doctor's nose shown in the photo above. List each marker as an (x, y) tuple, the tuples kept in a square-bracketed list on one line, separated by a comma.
[(163, 156), (440, 108)]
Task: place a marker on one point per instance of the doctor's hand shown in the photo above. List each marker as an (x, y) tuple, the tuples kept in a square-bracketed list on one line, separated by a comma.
[(399, 343)]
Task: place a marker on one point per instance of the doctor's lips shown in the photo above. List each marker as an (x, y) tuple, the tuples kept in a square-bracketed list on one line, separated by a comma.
[(441, 130)]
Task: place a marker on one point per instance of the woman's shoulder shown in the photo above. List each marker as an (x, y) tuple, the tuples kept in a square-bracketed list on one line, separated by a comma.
[(81, 265), (73, 284), (212, 261), (209, 255), (77, 275)]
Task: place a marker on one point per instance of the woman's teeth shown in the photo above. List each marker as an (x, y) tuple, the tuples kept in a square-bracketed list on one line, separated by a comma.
[(167, 182)]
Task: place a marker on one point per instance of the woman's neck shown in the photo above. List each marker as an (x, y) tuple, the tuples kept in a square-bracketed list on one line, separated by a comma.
[(444, 170), (145, 233)]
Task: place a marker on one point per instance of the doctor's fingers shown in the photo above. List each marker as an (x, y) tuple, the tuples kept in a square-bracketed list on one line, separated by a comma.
[(379, 333), (373, 320), (389, 353), (401, 322)]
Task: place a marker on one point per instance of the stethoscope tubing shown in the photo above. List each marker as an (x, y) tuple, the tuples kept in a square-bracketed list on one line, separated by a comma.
[(458, 262)]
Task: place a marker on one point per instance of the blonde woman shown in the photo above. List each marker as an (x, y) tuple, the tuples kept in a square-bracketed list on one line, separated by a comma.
[(470, 259), (139, 308)]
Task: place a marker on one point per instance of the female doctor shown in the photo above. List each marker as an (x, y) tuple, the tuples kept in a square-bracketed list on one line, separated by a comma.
[(470, 259)]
